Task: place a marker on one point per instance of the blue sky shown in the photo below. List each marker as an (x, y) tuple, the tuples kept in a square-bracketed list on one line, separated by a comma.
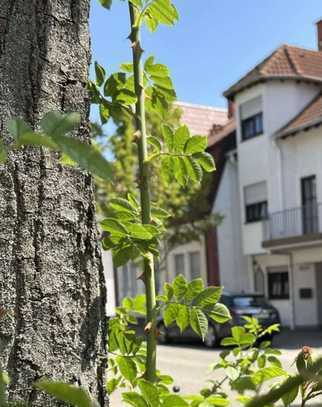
[(214, 43)]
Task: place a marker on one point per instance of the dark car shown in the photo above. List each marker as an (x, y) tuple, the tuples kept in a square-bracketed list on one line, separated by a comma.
[(254, 305)]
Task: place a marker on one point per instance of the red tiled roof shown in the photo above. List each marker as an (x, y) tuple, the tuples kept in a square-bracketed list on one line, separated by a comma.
[(217, 135), (287, 62), (201, 119), (309, 117)]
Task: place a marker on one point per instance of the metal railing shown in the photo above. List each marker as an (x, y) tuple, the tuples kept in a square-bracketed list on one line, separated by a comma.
[(294, 222)]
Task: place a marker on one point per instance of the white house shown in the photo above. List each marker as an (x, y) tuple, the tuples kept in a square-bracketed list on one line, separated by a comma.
[(270, 190)]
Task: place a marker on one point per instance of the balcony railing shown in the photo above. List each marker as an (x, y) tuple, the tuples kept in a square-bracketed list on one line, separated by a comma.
[(295, 222)]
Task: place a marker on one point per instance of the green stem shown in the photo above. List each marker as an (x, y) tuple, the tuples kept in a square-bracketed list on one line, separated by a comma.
[(144, 184)]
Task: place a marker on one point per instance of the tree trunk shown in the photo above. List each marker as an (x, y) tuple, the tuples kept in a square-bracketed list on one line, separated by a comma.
[(51, 282)]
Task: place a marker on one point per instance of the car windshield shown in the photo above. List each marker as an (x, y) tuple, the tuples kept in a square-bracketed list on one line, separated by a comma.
[(249, 301)]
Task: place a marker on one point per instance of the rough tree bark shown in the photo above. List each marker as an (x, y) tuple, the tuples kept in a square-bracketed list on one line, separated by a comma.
[(51, 277)]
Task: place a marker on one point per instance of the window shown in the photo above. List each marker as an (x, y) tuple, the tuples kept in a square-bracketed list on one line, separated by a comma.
[(194, 262), (252, 127), (278, 286), (310, 215), (256, 212), (256, 205), (179, 264), (251, 114)]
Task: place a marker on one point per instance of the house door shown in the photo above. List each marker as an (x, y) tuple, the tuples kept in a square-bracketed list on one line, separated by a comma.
[(309, 205)]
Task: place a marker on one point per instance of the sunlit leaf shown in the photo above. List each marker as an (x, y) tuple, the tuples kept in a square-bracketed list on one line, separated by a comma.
[(73, 395)]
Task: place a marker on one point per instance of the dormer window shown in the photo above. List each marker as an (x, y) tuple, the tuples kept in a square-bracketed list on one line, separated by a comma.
[(251, 114)]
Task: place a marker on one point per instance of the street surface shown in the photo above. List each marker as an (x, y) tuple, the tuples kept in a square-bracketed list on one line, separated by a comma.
[(188, 363)]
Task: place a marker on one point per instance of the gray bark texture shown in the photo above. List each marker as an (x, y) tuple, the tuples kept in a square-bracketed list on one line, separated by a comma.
[(52, 287)]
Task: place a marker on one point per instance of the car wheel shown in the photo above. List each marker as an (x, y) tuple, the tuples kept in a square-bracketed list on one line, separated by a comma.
[(211, 337), (163, 334)]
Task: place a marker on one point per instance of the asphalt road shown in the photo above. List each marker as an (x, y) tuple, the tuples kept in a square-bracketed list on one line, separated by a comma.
[(189, 363)]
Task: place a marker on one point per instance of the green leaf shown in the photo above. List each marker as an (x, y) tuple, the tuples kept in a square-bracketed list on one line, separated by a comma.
[(163, 82), (168, 137), (122, 205), (100, 74), (148, 63), (268, 373), (149, 392), (157, 70), (56, 124), (199, 322), (112, 384), (206, 161), (150, 22), (4, 382), (124, 254), (261, 361), (289, 397), (194, 170), (166, 379), (106, 3), (86, 156), (209, 296), (193, 289), (114, 227), (220, 314), (159, 213), (138, 231), (155, 142), (168, 290), (127, 368), (139, 304), (180, 286), (163, 12), (196, 144), (273, 360), (104, 111), (174, 401), (127, 97), (170, 314), (134, 399), (74, 395), (127, 67), (217, 401), (182, 319), (179, 169), (37, 140), (137, 3), (181, 136), (18, 128)]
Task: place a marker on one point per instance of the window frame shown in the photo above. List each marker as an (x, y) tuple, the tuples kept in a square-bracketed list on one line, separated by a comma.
[(252, 119), (259, 206), (285, 293)]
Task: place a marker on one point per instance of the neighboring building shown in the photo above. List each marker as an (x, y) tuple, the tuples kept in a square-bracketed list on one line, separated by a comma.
[(270, 190)]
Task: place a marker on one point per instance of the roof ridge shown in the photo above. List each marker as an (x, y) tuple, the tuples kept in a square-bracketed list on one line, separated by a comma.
[(199, 106), (291, 60), (302, 48)]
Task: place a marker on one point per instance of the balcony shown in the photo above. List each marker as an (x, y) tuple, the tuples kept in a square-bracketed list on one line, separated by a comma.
[(294, 226)]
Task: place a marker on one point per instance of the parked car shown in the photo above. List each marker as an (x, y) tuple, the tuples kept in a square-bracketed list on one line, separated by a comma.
[(240, 305)]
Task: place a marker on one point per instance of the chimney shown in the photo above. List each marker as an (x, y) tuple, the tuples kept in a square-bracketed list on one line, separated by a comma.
[(319, 27)]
